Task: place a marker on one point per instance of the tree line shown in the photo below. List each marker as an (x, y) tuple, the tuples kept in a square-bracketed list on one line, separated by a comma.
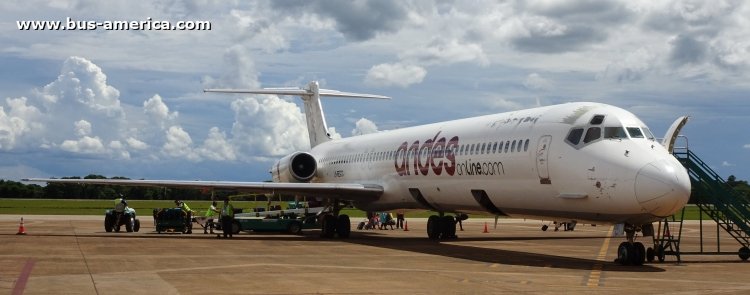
[(14, 189)]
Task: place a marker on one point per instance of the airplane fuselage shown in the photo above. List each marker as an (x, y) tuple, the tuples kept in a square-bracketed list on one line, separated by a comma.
[(582, 161)]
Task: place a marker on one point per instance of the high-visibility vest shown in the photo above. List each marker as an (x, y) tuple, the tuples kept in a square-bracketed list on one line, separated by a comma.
[(211, 211), (228, 210)]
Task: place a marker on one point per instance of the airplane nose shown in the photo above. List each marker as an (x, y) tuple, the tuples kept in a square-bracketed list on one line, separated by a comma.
[(662, 187)]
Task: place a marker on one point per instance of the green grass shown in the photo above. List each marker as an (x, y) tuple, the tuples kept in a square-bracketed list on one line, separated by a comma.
[(145, 207)]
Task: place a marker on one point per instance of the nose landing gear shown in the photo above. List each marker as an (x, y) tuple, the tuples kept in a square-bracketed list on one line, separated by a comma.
[(631, 252)]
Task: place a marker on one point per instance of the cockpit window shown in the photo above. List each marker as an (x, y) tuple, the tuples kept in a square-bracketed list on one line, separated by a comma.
[(648, 133), (614, 133), (574, 136), (635, 132), (592, 134), (596, 120)]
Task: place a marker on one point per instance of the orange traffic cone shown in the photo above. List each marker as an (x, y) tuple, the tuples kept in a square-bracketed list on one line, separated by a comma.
[(21, 229), (485, 228), (406, 225)]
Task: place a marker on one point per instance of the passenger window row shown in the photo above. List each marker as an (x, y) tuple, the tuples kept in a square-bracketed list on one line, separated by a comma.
[(464, 150)]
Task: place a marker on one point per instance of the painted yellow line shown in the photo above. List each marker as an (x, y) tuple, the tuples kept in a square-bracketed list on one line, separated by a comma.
[(596, 271)]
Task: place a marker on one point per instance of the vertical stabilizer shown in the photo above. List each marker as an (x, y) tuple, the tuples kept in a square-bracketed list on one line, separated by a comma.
[(317, 128)]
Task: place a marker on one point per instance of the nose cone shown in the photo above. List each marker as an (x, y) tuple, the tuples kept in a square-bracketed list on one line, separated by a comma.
[(662, 187)]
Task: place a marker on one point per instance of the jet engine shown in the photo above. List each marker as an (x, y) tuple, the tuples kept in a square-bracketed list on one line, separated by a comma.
[(297, 167)]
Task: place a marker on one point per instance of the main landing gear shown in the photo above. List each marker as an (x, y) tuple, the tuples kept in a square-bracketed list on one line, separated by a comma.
[(441, 227), (632, 252), (335, 224)]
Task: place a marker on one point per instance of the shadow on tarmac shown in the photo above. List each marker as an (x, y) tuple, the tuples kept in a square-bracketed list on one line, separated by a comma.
[(445, 248)]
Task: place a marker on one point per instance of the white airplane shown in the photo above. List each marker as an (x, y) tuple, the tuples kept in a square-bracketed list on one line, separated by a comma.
[(577, 161)]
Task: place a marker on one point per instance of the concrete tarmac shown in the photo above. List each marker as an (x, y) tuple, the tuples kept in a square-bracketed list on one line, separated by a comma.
[(73, 255)]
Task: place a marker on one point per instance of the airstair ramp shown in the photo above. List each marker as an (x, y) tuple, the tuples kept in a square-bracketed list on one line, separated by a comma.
[(715, 198)]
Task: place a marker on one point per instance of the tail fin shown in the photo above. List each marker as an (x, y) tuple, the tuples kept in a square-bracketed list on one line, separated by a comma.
[(317, 128)]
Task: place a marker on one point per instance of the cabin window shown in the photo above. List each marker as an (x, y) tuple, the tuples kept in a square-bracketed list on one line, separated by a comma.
[(526, 146), (484, 145), (513, 147), (518, 149), (635, 132), (614, 132), (592, 134), (574, 136), (596, 120), (471, 149), (507, 146), (494, 148)]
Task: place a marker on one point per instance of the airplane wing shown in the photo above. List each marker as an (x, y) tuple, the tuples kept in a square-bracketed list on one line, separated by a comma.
[(344, 191)]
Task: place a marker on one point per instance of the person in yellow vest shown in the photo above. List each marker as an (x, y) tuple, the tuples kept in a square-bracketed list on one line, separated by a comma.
[(210, 214), (188, 215), (227, 218)]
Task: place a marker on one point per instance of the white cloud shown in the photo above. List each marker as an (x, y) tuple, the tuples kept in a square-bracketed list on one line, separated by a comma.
[(157, 110), (178, 144), (634, 67), (441, 51), (84, 145), (364, 126), (535, 81), (396, 74), (727, 164), (747, 146), (216, 147), (82, 128), (136, 144), (268, 126)]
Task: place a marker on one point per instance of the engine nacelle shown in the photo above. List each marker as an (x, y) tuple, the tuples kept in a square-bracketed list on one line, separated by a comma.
[(297, 167)]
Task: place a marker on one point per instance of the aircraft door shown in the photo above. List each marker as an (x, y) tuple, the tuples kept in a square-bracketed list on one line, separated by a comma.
[(542, 155)]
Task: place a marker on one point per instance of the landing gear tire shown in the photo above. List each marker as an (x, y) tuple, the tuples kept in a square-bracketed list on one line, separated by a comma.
[(650, 254), (545, 227), (448, 227), (640, 253), (343, 226), (433, 227), (328, 227), (744, 253), (625, 253)]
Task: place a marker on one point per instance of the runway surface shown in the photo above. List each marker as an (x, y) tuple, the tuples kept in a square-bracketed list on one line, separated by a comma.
[(73, 255)]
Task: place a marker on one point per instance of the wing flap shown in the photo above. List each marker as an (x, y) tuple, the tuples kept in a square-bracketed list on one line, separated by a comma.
[(343, 191)]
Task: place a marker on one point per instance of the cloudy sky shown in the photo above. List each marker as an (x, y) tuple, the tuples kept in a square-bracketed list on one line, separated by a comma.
[(130, 103)]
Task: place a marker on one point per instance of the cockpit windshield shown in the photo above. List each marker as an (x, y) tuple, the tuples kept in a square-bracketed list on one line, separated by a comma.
[(614, 133), (635, 132), (648, 133)]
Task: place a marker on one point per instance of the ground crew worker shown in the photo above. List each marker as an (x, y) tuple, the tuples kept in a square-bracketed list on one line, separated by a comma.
[(188, 215), (210, 214), (227, 218)]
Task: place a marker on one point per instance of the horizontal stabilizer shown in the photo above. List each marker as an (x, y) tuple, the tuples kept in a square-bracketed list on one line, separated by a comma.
[(298, 92)]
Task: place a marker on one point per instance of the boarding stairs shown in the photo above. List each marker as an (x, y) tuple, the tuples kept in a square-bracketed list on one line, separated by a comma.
[(715, 198)]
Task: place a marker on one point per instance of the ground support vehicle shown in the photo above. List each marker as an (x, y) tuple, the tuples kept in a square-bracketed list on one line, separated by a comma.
[(113, 220), (171, 220)]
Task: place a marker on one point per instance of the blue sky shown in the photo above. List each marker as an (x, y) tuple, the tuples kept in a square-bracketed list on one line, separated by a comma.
[(130, 103)]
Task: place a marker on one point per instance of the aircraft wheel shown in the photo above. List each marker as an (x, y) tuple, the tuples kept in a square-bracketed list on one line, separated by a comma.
[(433, 227), (343, 226), (545, 227), (624, 253), (328, 228), (448, 227), (639, 253), (744, 253), (650, 254)]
